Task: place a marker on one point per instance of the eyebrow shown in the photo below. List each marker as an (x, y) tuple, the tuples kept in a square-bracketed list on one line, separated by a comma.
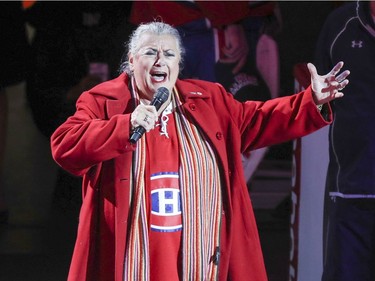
[(156, 50)]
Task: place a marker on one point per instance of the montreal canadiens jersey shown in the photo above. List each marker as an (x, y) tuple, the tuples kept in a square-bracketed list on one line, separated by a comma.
[(164, 201)]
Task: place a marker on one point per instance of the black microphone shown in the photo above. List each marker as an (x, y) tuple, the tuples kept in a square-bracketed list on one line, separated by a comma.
[(160, 97)]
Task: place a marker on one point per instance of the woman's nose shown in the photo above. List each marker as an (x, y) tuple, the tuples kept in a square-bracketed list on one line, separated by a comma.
[(160, 60)]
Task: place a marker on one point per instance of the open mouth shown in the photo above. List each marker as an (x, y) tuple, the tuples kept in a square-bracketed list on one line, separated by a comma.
[(158, 76)]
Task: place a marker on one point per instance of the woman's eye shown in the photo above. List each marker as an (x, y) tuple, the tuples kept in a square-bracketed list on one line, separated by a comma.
[(150, 53), (169, 55)]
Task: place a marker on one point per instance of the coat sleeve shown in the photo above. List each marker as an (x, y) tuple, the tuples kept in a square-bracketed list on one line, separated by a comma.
[(88, 138), (277, 120)]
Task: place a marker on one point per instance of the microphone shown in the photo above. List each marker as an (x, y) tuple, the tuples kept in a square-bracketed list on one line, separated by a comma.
[(159, 98)]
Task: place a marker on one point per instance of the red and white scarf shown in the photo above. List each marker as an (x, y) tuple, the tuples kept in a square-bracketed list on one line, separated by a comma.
[(201, 198)]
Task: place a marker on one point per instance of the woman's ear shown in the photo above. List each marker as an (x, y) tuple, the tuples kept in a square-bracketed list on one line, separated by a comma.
[(130, 62)]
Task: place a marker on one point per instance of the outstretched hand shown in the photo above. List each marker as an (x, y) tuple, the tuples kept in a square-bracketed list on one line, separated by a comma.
[(328, 87)]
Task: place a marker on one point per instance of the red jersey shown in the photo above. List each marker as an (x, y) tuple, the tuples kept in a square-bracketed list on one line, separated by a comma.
[(164, 202)]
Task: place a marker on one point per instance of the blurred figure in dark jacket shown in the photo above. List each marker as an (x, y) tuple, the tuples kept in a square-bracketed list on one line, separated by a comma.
[(349, 228)]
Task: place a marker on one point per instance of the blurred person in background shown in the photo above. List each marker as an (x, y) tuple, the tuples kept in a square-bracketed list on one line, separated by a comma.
[(349, 220)]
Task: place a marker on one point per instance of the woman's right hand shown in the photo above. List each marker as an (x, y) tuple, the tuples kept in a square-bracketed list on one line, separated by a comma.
[(145, 116)]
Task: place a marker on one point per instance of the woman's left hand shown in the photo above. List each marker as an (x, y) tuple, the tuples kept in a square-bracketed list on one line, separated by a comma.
[(328, 87)]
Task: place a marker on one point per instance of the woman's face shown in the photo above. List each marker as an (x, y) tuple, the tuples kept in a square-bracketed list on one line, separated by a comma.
[(156, 64)]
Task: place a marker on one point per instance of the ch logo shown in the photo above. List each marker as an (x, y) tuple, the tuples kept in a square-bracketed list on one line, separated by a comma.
[(357, 44), (166, 210), (166, 201)]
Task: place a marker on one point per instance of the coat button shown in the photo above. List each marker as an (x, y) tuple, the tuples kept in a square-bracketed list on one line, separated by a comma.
[(192, 106), (219, 135)]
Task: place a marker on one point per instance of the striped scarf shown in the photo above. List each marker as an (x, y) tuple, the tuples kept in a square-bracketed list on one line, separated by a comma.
[(201, 206)]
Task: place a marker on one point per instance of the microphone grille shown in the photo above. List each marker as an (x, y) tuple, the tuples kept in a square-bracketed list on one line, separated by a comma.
[(162, 94)]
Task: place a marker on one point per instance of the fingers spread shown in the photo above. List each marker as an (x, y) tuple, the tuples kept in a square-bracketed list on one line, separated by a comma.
[(312, 69), (336, 69), (341, 77)]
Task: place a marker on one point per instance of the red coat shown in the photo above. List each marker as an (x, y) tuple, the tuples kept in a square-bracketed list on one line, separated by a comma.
[(94, 143)]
